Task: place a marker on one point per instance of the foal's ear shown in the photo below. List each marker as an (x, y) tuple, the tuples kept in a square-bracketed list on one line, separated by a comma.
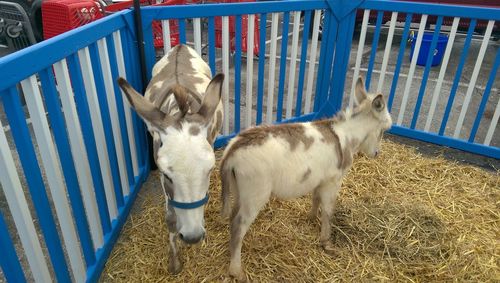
[(212, 98), (360, 91), (144, 108), (378, 103)]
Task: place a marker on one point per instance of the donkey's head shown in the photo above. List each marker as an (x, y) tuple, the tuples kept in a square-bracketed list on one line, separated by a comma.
[(375, 118), (183, 154)]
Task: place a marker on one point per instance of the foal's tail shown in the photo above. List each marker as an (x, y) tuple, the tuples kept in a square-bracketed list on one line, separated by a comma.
[(228, 184)]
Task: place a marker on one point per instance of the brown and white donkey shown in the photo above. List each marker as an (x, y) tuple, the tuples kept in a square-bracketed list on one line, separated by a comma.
[(291, 160), (183, 112)]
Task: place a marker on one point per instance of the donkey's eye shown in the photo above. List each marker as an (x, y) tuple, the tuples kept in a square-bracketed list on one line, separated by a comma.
[(168, 178)]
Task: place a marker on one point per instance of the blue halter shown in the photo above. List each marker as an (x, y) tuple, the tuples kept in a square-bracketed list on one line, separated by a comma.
[(188, 205)]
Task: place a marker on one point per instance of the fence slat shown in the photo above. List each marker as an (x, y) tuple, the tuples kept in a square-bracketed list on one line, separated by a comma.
[(458, 75), (322, 61), (249, 77), (237, 73), (485, 97), (115, 124), (303, 59), (165, 27), (262, 61), (54, 175), (312, 62), (387, 51), (26, 152), (225, 70), (9, 261), (18, 206), (284, 52), (126, 106), (272, 67), (493, 125), (293, 62), (211, 45), (427, 70), (359, 55), (442, 72), (373, 53), (472, 83), (182, 31), (402, 48), (197, 35), (413, 64)]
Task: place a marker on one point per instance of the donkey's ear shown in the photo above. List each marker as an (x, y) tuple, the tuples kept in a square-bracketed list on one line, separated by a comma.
[(378, 103), (212, 97), (144, 108), (360, 91)]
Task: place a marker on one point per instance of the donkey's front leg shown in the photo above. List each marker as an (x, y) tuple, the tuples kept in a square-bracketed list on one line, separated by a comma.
[(174, 262), (328, 195)]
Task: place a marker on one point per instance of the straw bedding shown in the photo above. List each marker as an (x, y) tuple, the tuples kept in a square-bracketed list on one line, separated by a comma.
[(399, 217)]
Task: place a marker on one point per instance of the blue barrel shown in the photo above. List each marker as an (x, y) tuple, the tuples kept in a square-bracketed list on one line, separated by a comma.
[(425, 46)]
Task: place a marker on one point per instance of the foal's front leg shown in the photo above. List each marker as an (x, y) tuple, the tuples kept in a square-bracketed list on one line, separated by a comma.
[(328, 196)]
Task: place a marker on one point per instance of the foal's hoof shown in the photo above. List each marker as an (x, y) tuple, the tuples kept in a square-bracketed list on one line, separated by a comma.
[(174, 266), (328, 248)]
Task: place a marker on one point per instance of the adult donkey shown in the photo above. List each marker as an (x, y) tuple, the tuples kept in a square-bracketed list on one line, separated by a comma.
[(183, 112), (291, 160)]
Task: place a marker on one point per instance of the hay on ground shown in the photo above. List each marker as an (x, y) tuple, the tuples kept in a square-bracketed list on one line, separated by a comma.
[(400, 217)]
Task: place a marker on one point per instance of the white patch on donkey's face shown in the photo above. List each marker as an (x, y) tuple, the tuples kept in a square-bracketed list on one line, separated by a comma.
[(186, 160)]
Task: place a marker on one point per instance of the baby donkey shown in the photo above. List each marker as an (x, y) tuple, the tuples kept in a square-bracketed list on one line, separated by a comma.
[(290, 160)]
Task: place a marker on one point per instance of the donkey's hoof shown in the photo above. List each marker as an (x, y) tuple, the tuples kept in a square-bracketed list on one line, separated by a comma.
[(238, 274), (174, 266), (328, 248)]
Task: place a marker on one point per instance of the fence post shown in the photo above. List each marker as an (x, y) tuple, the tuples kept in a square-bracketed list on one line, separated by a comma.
[(334, 76)]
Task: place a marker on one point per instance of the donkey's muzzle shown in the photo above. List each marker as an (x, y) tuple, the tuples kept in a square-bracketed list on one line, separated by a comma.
[(192, 239)]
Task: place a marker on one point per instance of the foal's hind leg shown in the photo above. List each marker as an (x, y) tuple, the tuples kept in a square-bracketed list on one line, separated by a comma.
[(243, 216), (315, 205), (328, 195)]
